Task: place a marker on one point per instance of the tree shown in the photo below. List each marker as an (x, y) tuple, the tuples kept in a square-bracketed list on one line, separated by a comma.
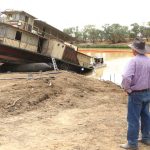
[(69, 31), (74, 32), (135, 31), (90, 33), (145, 32), (101, 35), (77, 33), (115, 33)]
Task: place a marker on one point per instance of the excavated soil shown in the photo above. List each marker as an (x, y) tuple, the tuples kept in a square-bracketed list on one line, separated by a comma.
[(61, 111)]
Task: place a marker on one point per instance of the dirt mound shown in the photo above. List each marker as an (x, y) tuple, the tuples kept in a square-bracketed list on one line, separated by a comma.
[(61, 111), (64, 90)]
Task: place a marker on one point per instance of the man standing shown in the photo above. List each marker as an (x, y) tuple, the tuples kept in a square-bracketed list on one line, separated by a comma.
[(136, 82)]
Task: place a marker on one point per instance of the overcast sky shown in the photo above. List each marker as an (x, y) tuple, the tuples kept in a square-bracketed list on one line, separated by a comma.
[(70, 13)]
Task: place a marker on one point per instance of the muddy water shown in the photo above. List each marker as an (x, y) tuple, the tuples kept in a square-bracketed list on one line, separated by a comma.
[(115, 62)]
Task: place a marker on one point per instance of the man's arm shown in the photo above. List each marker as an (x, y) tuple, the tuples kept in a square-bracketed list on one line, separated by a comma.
[(128, 76)]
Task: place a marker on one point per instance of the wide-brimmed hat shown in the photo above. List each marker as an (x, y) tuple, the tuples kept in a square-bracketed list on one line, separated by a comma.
[(139, 46)]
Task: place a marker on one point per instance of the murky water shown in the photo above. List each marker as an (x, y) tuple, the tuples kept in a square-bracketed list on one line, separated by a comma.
[(115, 63)]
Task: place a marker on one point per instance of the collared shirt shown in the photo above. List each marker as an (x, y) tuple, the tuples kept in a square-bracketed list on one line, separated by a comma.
[(137, 74)]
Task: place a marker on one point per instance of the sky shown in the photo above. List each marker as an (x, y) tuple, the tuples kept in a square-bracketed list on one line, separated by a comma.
[(71, 13)]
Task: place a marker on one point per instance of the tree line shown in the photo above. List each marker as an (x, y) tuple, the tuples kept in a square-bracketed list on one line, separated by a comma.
[(114, 33)]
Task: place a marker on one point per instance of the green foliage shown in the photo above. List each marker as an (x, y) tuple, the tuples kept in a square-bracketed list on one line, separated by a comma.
[(91, 34), (145, 32), (74, 32), (114, 33), (135, 30), (104, 46)]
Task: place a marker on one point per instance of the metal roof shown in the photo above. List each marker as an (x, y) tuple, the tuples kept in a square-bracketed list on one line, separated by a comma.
[(54, 31), (8, 11)]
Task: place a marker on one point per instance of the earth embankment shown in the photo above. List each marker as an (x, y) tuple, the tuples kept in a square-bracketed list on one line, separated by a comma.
[(61, 111)]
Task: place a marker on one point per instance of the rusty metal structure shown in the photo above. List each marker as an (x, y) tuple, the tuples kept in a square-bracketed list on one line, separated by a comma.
[(25, 39)]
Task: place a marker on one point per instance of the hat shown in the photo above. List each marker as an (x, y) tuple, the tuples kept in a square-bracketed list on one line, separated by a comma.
[(139, 46)]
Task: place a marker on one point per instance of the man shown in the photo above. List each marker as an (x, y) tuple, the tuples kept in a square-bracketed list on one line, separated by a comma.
[(136, 82)]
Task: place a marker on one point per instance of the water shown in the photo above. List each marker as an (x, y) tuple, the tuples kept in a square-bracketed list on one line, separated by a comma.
[(115, 63)]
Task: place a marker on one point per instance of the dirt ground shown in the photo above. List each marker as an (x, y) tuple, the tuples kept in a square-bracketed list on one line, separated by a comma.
[(61, 111)]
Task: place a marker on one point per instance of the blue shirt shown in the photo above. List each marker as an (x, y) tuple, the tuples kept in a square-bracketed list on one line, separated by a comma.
[(137, 74)]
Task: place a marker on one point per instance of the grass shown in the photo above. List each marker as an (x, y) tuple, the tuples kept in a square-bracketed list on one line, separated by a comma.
[(104, 46)]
